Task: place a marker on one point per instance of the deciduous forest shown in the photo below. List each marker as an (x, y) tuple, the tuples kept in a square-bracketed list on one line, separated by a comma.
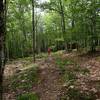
[(49, 49)]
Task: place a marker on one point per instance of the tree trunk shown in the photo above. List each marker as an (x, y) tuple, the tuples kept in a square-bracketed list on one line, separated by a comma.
[(93, 28), (33, 30), (2, 45), (63, 23), (62, 17)]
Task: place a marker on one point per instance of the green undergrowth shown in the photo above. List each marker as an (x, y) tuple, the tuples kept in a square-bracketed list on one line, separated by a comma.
[(41, 55), (28, 60), (69, 70), (76, 94), (28, 96), (25, 79), (63, 64), (98, 58)]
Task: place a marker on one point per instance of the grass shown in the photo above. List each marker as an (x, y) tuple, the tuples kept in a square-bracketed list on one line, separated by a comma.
[(28, 96), (69, 77), (69, 68), (63, 63), (41, 55), (68, 74), (25, 79), (69, 71)]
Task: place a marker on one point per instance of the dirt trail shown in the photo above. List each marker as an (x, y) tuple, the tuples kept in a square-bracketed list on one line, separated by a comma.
[(50, 84)]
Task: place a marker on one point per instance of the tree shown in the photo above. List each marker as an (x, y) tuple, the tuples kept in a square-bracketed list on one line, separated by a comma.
[(33, 29), (62, 22), (59, 7), (2, 44), (19, 29)]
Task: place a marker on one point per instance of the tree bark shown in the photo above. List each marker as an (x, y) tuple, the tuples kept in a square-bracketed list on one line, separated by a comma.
[(2, 45), (33, 30), (62, 17), (93, 29), (63, 22)]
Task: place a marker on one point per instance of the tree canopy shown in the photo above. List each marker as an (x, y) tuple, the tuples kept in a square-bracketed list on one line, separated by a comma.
[(57, 22)]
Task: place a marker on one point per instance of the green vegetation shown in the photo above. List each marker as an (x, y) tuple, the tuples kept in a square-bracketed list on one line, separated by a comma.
[(64, 24), (69, 67), (75, 94), (28, 96), (70, 70), (63, 63), (31, 28), (25, 80), (98, 58)]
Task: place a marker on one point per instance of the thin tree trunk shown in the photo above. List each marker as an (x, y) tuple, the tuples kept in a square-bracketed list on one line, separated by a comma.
[(33, 30), (62, 17), (63, 22)]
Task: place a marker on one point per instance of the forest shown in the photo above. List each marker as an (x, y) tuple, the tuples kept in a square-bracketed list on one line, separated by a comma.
[(49, 49)]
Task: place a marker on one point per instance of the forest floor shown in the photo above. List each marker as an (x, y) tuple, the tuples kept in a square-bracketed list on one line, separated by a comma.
[(61, 76)]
